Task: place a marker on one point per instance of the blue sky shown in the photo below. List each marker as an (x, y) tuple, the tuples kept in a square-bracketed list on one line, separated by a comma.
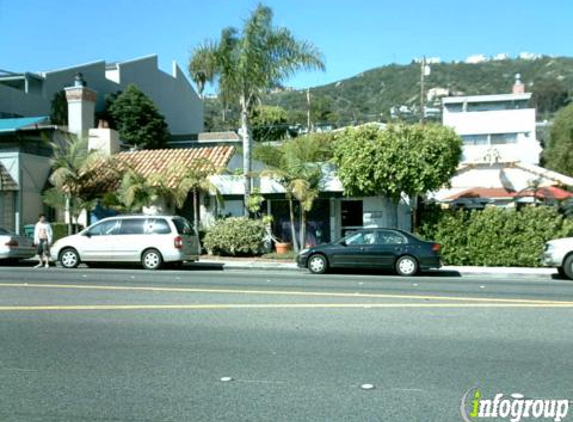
[(353, 35)]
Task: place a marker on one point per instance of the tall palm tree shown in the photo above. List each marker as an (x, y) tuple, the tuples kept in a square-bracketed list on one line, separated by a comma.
[(248, 63), (74, 168)]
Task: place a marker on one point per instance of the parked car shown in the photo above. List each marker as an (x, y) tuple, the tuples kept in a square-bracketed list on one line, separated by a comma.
[(373, 248), (558, 253), (15, 247), (151, 240)]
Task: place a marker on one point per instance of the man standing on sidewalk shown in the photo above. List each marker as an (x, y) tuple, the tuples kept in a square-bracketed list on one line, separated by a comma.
[(43, 240)]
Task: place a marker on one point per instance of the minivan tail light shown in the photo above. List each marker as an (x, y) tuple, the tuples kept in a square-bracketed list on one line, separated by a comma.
[(436, 247), (178, 242), (12, 244)]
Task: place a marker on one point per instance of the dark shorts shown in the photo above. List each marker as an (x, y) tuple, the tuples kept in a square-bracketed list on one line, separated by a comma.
[(43, 247)]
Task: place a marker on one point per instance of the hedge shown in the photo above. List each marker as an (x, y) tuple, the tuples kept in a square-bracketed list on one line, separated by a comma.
[(495, 236), (236, 236)]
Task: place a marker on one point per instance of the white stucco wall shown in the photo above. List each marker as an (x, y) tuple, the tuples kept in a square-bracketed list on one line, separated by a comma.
[(520, 121)]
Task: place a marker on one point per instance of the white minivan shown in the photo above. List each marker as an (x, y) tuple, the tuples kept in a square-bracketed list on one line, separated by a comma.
[(151, 240)]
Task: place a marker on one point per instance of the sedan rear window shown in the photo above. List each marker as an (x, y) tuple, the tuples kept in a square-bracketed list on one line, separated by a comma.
[(183, 226)]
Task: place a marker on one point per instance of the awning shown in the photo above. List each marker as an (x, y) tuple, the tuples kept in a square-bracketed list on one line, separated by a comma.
[(12, 125)]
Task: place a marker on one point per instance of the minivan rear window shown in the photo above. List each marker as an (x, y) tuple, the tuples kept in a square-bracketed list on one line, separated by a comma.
[(183, 226)]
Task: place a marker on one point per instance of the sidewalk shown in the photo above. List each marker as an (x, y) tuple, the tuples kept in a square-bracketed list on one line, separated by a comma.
[(284, 265)]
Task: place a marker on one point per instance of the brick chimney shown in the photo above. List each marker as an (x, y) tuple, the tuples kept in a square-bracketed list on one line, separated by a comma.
[(518, 87), (81, 106)]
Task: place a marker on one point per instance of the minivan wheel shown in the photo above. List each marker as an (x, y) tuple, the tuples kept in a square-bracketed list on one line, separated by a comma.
[(151, 259), (317, 264), (69, 258), (406, 265)]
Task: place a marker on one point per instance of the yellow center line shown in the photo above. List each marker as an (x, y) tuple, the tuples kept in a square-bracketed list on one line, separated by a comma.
[(284, 293), (277, 306)]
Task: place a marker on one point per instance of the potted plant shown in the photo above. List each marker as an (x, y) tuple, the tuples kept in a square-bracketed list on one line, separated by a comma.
[(281, 247)]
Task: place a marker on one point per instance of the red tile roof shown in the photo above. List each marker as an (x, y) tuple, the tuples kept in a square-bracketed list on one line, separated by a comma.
[(148, 162), (497, 193), (547, 192)]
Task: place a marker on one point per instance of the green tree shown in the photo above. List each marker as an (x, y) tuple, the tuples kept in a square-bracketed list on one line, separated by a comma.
[(558, 155), (269, 123), (137, 119), (59, 108), (247, 64), (409, 159), (549, 95), (74, 168)]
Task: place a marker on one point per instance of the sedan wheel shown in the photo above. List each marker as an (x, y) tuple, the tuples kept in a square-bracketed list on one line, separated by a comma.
[(69, 258), (151, 260), (317, 264), (568, 267), (407, 265)]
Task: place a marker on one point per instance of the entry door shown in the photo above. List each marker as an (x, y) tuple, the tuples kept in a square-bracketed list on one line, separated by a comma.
[(97, 242)]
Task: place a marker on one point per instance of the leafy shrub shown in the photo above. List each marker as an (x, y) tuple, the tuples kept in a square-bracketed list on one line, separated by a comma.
[(495, 236), (236, 236), (59, 230)]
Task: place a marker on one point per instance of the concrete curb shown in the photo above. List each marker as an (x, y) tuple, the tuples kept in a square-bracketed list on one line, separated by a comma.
[(467, 271)]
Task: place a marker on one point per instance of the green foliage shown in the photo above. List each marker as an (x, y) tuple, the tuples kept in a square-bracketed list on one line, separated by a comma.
[(549, 95), (59, 230), (268, 123), (59, 108), (370, 95), (495, 236), (413, 159), (138, 120), (236, 236), (558, 155), (255, 201)]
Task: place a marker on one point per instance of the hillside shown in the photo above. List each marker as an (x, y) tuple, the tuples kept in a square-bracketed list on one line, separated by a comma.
[(370, 95)]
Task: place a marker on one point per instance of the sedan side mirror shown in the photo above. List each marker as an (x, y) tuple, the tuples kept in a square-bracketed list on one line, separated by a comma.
[(87, 234), (342, 243)]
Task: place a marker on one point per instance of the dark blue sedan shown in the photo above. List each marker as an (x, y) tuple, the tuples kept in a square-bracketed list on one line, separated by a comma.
[(373, 248)]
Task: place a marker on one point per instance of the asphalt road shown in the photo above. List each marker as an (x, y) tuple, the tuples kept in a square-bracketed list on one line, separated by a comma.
[(130, 345)]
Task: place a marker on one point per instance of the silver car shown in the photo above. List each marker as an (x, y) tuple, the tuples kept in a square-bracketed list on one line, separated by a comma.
[(15, 247), (151, 240), (558, 253)]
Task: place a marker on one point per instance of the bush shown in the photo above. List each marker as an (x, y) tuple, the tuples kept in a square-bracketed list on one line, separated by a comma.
[(236, 236), (495, 236)]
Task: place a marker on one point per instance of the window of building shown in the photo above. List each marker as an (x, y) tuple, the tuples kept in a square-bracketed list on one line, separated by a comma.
[(475, 139), (503, 138)]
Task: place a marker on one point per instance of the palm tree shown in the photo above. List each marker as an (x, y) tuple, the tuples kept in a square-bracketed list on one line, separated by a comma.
[(74, 168), (193, 178), (296, 165), (247, 64)]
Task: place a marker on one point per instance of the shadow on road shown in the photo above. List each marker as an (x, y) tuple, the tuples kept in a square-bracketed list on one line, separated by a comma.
[(364, 271)]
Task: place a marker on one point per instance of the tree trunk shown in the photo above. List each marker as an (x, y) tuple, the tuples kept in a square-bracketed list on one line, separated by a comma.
[(69, 214), (195, 211), (196, 219), (302, 228), (246, 153), (292, 227)]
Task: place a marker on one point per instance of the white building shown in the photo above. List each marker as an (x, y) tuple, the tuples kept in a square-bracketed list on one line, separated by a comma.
[(494, 127), (500, 153), (30, 94)]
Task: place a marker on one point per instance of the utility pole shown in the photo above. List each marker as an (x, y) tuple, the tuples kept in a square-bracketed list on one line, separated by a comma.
[(424, 71), (422, 74), (308, 110)]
